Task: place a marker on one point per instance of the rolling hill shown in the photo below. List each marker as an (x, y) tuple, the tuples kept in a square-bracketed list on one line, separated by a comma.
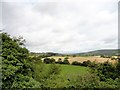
[(109, 52)]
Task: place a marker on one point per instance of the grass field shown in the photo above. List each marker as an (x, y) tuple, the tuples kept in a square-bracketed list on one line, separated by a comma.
[(81, 59), (71, 70)]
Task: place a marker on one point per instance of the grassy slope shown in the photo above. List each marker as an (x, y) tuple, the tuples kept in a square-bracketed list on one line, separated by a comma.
[(72, 70)]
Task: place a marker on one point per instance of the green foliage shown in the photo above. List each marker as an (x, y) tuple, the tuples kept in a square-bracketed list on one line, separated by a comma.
[(86, 63), (59, 61), (76, 63), (84, 81), (56, 81), (65, 61), (106, 70), (110, 83), (39, 72), (44, 73), (118, 67), (19, 70), (14, 62), (49, 60), (35, 59), (22, 81), (54, 69)]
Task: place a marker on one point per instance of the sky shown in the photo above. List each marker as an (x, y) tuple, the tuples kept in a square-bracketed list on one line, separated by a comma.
[(62, 26)]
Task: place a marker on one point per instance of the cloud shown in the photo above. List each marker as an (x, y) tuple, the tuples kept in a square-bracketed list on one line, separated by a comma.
[(64, 27)]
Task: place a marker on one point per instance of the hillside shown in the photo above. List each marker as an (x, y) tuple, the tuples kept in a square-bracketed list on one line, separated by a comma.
[(109, 52)]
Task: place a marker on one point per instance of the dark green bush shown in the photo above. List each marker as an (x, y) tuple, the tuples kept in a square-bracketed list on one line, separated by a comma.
[(15, 63), (76, 63), (65, 61), (86, 63), (49, 60)]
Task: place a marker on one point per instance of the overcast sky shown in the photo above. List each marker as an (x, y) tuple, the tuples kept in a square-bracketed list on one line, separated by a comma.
[(62, 26)]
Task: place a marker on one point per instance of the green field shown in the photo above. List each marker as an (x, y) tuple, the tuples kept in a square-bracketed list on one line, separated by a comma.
[(72, 70)]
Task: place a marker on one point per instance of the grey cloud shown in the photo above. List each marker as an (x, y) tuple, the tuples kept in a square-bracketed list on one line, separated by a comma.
[(45, 8), (111, 39), (62, 26)]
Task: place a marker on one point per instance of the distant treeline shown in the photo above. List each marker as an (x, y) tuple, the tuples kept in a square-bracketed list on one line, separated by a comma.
[(103, 53)]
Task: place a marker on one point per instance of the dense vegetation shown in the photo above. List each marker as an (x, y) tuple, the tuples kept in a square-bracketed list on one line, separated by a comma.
[(20, 70), (16, 70)]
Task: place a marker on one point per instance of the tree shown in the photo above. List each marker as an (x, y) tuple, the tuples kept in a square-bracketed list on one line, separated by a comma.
[(49, 60), (76, 63), (59, 61), (66, 61), (15, 64), (118, 67), (86, 63), (54, 69)]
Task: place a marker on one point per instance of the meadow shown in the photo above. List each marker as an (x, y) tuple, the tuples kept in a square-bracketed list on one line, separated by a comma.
[(71, 69)]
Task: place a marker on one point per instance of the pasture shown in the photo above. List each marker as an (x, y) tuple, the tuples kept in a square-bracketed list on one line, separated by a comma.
[(71, 70)]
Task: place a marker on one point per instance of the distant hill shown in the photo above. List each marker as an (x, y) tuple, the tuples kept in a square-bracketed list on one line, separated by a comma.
[(47, 54), (109, 52)]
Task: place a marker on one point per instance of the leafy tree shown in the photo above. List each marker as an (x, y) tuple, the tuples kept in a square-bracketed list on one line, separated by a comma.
[(118, 67), (59, 61), (14, 62), (49, 60), (66, 61), (86, 63), (76, 63), (54, 69), (88, 81)]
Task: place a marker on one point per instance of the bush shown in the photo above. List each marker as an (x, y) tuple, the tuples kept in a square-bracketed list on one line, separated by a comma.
[(66, 61), (59, 61), (35, 59), (49, 60), (76, 63), (84, 81), (86, 63), (54, 69), (106, 70), (15, 64)]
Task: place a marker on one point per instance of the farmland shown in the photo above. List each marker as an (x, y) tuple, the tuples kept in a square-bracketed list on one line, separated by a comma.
[(81, 59)]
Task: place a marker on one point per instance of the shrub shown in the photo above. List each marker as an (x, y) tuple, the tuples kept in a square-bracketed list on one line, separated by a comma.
[(106, 70), (66, 61), (49, 60), (15, 64), (76, 63), (54, 69), (84, 81), (59, 61), (86, 63)]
